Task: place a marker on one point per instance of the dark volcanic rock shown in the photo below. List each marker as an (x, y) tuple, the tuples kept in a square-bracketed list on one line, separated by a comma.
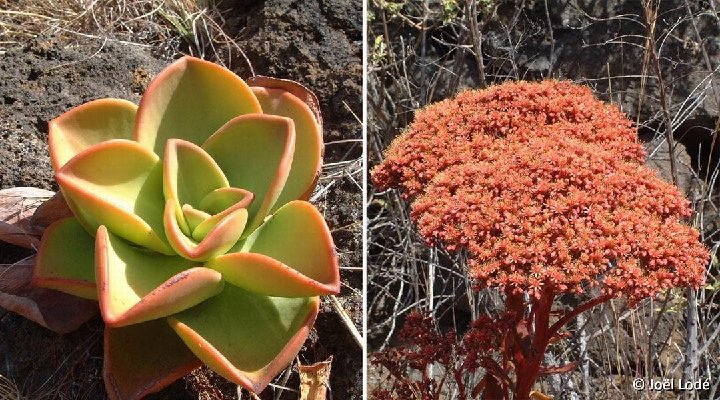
[(42, 80), (315, 42)]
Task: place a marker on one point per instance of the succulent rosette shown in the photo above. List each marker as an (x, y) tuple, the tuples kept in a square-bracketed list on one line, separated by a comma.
[(190, 226)]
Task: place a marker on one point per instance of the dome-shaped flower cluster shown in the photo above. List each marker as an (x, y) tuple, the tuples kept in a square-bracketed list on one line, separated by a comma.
[(454, 131), (545, 187)]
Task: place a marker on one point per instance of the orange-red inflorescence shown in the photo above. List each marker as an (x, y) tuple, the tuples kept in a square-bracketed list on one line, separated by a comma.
[(546, 189)]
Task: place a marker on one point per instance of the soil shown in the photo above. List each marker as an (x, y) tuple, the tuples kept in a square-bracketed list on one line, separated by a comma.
[(314, 42)]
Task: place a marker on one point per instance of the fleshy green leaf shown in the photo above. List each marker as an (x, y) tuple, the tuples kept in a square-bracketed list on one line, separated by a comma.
[(144, 358), (221, 238), (190, 173), (307, 160), (291, 254), (245, 337), (118, 184), (190, 100), (193, 217), (255, 152), (66, 260), (89, 124), (195, 187), (221, 203), (136, 285)]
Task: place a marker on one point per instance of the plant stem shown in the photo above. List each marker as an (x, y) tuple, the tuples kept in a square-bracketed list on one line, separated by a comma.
[(576, 311), (528, 370)]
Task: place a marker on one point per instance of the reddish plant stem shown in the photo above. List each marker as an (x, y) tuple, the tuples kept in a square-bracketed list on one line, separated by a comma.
[(543, 334), (526, 344), (576, 311), (528, 371)]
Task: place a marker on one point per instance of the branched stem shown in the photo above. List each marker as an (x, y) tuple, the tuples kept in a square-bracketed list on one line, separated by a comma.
[(555, 328)]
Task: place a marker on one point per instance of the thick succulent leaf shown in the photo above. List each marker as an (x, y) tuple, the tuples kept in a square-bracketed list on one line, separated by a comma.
[(255, 152), (118, 184), (291, 254), (193, 217), (189, 173), (66, 260), (144, 358), (307, 160), (190, 100), (89, 124), (220, 200), (135, 285), (221, 203), (266, 275), (247, 338), (221, 238), (57, 311)]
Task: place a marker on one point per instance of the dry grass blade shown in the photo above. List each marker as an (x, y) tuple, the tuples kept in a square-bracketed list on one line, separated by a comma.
[(347, 321), (8, 389), (165, 24)]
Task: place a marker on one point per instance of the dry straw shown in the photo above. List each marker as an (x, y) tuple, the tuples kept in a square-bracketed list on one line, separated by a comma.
[(8, 389), (169, 24)]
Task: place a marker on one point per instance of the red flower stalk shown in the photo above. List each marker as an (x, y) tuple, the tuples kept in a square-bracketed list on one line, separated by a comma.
[(421, 346), (545, 188)]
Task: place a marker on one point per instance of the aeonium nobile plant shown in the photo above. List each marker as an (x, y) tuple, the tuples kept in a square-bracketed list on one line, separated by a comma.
[(546, 191), (190, 228)]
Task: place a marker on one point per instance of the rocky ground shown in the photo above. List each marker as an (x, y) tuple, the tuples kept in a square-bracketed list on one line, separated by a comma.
[(314, 42)]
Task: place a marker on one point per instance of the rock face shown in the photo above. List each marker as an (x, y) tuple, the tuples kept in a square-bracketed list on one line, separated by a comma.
[(316, 42), (602, 44), (42, 80)]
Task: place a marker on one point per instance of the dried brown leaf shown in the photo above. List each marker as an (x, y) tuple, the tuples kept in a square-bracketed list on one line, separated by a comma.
[(50, 211), (57, 311), (535, 395), (25, 212), (17, 206), (296, 89), (315, 380)]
